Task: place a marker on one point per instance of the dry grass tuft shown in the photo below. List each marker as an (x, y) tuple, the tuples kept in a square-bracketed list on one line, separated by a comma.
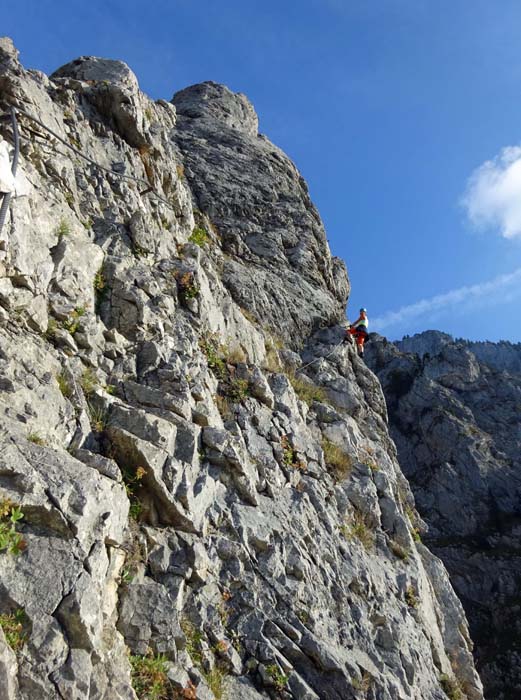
[(336, 458)]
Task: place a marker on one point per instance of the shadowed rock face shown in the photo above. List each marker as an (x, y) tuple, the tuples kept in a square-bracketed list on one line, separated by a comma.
[(185, 496), (260, 206), (455, 417)]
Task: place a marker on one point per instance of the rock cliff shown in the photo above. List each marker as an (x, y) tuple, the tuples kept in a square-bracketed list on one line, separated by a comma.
[(454, 410), (183, 513)]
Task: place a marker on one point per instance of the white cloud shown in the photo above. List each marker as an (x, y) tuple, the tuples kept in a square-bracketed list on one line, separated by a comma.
[(493, 195), (485, 293)]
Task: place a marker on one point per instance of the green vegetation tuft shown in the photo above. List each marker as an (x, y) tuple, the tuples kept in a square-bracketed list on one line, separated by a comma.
[(186, 286), (213, 677), (98, 418), (149, 679), (215, 681), (194, 637), (290, 455), (13, 625), (215, 354), (236, 389), (100, 289), (199, 236), (10, 540), (72, 322), (133, 478), (63, 229), (279, 678)]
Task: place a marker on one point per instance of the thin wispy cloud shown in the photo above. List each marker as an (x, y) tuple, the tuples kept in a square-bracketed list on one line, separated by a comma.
[(493, 195), (495, 290)]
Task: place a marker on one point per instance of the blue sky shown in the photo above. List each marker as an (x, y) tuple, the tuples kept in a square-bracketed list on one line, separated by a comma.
[(395, 111)]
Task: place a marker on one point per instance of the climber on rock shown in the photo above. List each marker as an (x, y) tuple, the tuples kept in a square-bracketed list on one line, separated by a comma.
[(359, 330)]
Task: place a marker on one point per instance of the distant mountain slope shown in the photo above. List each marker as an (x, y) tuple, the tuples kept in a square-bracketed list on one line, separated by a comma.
[(455, 415)]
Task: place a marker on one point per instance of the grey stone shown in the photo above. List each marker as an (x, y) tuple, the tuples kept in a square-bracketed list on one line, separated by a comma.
[(204, 526), (148, 618)]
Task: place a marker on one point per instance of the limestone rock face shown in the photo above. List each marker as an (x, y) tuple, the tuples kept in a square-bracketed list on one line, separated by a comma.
[(172, 491), (454, 410), (259, 206), (216, 104)]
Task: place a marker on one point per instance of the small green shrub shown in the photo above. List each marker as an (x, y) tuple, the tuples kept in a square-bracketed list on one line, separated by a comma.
[(199, 236), (416, 535), (149, 679), (215, 354), (280, 679), (337, 458), (186, 285), (13, 625), (72, 322), (63, 229), (132, 478), (303, 616), (236, 389), (290, 455), (100, 289), (10, 540)]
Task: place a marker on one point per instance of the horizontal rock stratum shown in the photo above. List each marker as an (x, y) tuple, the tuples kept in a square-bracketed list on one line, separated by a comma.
[(193, 507)]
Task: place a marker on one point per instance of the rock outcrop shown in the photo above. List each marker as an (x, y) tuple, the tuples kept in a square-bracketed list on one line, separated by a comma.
[(178, 505), (454, 409)]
